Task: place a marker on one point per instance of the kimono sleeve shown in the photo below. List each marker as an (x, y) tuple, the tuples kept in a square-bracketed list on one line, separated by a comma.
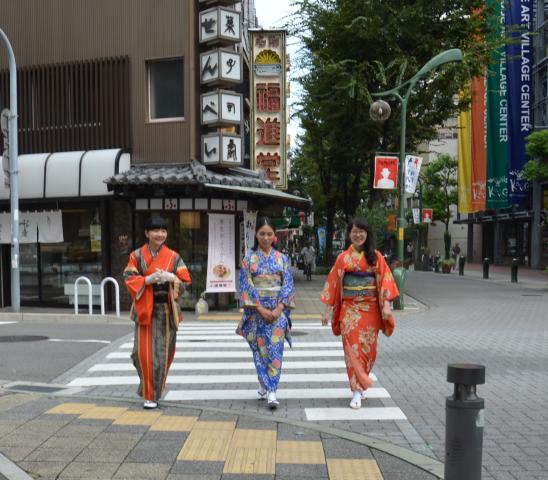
[(287, 293), (330, 291), (182, 275), (248, 293), (387, 285), (135, 282)]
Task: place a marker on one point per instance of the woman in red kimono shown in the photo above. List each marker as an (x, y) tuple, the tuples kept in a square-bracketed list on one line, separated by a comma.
[(358, 292), (154, 276)]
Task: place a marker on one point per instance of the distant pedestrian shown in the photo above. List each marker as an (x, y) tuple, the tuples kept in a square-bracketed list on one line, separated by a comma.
[(309, 257), (266, 286), (455, 254), (154, 277), (410, 251), (358, 292)]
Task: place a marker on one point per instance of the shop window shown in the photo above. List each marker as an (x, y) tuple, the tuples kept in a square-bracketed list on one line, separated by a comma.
[(165, 89)]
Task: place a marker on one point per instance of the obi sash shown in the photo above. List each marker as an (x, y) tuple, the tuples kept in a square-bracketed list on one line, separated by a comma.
[(268, 285), (359, 284)]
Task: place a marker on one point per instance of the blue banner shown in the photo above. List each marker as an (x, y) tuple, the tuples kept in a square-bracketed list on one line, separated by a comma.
[(321, 239), (519, 57)]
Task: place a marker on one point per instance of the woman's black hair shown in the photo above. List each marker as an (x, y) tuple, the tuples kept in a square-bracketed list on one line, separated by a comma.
[(261, 222), (369, 247), (155, 222)]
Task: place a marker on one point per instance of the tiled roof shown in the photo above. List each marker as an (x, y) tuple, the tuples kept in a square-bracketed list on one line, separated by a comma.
[(193, 173)]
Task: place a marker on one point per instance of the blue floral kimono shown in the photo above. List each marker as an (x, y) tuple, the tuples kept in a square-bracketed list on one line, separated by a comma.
[(266, 280)]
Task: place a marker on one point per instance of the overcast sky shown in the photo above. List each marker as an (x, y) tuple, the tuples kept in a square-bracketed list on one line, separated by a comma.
[(273, 14)]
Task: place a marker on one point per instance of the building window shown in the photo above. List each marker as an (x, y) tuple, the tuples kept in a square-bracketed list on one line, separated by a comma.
[(165, 89)]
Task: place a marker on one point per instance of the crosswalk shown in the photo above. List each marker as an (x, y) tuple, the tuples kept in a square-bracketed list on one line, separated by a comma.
[(210, 355)]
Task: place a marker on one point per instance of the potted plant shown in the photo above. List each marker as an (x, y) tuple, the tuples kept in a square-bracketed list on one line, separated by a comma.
[(447, 264)]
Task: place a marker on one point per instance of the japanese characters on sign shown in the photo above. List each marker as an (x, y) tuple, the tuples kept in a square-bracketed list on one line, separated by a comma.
[(386, 172), (222, 149), (268, 95), (221, 106), (220, 24), (220, 66), (412, 170)]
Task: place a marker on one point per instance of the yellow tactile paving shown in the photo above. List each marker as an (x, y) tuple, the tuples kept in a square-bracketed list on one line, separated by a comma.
[(171, 423), (305, 452), (103, 413), (205, 425), (353, 469), (137, 418), (71, 408), (206, 445), (252, 451)]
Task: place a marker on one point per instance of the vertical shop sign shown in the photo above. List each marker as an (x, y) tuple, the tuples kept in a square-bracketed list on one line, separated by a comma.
[(221, 255), (269, 112), (95, 237)]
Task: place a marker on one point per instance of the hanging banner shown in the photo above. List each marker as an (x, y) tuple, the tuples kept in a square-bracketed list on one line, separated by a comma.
[(412, 170), (250, 221), (95, 237), (416, 216), (464, 172), (497, 119), (427, 215), (386, 172), (221, 255), (28, 227), (321, 239), (5, 228), (518, 21), (479, 145), (50, 227)]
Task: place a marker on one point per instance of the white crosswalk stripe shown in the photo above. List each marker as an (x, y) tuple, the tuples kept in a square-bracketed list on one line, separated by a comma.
[(209, 356)]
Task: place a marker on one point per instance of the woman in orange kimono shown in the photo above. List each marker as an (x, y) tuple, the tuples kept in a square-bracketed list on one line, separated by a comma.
[(358, 292), (154, 276)]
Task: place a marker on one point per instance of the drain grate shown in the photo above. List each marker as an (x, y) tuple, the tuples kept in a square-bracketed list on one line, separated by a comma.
[(21, 338), (35, 388)]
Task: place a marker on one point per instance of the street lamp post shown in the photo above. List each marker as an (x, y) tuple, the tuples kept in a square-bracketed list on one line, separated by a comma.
[(453, 55)]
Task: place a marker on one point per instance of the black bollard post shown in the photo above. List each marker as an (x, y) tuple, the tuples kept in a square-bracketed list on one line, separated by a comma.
[(461, 265), (486, 262), (514, 270), (464, 422), (437, 264)]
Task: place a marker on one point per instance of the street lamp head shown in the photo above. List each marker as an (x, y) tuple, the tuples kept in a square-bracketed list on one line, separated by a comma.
[(379, 111)]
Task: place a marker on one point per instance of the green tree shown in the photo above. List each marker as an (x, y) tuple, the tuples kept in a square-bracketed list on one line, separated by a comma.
[(440, 178), (354, 47), (536, 170)]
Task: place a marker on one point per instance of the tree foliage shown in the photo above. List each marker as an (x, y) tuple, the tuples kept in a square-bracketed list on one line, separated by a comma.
[(354, 47), (440, 178), (537, 148)]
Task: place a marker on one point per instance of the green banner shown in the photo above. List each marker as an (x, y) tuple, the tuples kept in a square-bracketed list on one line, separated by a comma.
[(497, 119)]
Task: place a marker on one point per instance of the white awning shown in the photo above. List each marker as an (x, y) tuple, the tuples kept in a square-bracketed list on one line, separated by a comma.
[(68, 174)]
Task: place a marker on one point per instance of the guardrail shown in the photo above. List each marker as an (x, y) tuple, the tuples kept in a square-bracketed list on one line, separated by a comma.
[(116, 293), (90, 294)]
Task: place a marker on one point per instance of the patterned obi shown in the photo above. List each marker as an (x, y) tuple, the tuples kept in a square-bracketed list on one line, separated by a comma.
[(359, 284), (268, 285), (160, 292)]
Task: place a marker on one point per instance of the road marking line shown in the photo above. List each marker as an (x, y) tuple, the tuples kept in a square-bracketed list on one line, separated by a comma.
[(77, 341), (242, 354), (284, 394), (364, 413), (241, 344)]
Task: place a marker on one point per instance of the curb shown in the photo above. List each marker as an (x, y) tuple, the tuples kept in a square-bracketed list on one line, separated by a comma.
[(10, 471), (423, 462)]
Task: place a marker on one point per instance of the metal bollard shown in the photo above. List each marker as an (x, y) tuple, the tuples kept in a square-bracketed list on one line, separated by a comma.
[(464, 421), (437, 264), (462, 260), (514, 270), (486, 262)]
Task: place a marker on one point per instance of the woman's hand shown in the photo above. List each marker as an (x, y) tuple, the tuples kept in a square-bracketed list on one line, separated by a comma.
[(386, 311), (278, 311), (327, 315), (265, 313)]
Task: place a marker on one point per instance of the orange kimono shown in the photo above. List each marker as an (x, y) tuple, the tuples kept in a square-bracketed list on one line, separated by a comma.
[(156, 314), (357, 292)]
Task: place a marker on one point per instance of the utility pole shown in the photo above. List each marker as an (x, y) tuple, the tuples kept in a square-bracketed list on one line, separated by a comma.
[(13, 172)]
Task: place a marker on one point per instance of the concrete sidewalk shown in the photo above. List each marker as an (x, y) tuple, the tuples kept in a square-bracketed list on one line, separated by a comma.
[(55, 437)]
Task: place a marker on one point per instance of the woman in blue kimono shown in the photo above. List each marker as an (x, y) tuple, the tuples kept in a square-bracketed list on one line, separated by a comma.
[(266, 293)]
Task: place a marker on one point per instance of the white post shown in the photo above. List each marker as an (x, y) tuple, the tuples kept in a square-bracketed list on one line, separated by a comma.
[(116, 293), (90, 295)]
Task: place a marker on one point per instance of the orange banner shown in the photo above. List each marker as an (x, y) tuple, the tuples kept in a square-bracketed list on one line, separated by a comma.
[(479, 144)]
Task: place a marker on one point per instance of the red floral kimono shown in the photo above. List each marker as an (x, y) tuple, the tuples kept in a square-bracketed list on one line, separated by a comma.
[(156, 314), (357, 292)]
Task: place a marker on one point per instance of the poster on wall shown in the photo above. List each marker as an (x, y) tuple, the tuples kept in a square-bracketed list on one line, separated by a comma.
[(386, 172), (427, 215), (95, 237), (221, 255), (269, 111)]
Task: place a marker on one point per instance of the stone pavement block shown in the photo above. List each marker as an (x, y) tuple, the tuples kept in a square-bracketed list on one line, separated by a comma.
[(291, 432), (54, 454), (8, 426), (251, 423), (115, 440), (85, 471), (60, 441), (135, 429), (102, 455), (247, 476), (81, 431), (202, 468), (191, 476), (43, 469), (150, 471), (164, 436), (12, 400), (16, 454), (155, 452), (300, 471), (15, 439), (339, 448)]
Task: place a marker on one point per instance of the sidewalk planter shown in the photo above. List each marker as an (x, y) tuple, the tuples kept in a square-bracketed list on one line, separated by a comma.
[(447, 264)]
